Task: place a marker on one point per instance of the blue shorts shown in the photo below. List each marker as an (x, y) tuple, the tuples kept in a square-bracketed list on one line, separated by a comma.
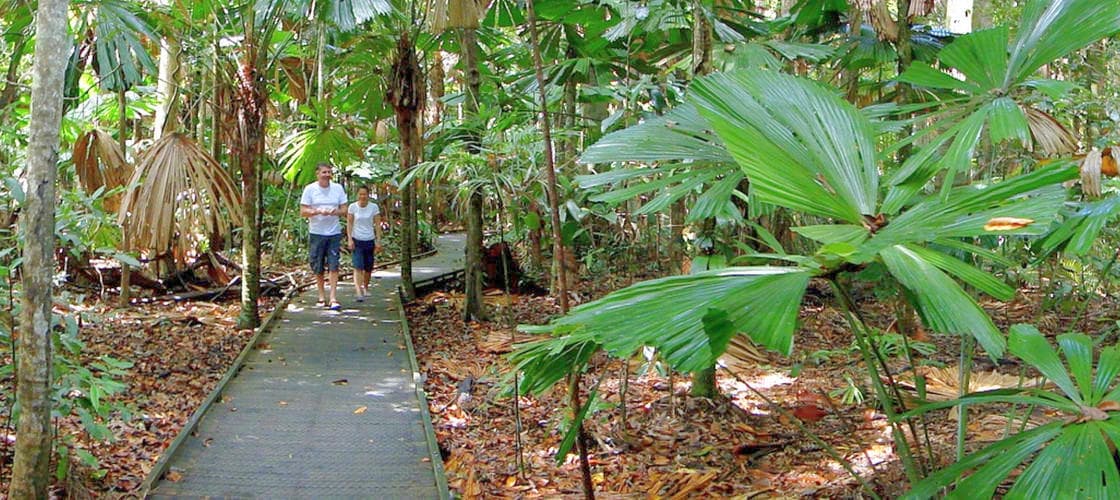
[(324, 252), (363, 255)]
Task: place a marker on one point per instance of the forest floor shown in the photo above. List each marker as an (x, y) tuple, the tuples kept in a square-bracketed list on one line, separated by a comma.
[(671, 445), (178, 350)]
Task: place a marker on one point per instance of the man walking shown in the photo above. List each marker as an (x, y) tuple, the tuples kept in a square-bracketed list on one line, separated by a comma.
[(322, 203)]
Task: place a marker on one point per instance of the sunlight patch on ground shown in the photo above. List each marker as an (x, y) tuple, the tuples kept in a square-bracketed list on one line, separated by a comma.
[(769, 380)]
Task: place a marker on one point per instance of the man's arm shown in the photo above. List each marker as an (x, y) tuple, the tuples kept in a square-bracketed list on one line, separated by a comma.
[(307, 211)]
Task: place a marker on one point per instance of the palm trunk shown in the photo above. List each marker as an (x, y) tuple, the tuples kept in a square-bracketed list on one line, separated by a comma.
[(250, 99), (30, 470), (472, 307), (406, 94), (981, 15), (170, 73), (408, 204), (703, 381), (557, 244)]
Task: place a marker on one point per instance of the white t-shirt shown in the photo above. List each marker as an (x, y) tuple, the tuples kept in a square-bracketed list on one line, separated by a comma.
[(330, 197), (363, 220)]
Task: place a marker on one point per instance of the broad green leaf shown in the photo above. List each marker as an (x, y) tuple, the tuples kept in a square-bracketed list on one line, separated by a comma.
[(669, 313), (1078, 232), (923, 75), (958, 158), (688, 184), (1078, 350), (1029, 344), (1076, 464), (1037, 196), (679, 135), (942, 303), (965, 272), (992, 464), (618, 175), (574, 427), (1108, 366), (767, 237), (1050, 29), (715, 202), (978, 251), (834, 233), (981, 56), (1054, 89), (545, 362), (302, 150), (800, 145), (1007, 121), (1025, 397)]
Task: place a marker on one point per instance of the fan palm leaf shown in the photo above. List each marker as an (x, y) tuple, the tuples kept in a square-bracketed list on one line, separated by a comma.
[(993, 66), (100, 164), (1069, 458), (801, 145), (179, 197)]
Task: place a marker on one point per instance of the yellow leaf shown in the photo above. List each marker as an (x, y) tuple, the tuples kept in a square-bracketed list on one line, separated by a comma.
[(360, 410), (1007, 223)]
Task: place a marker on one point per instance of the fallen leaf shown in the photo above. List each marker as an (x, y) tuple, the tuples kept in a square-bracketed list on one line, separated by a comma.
[(341, 381), (173, 476), (809, 412), (360, 410)]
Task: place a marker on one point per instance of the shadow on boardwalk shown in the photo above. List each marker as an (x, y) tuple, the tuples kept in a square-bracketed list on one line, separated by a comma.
[(326, 406)]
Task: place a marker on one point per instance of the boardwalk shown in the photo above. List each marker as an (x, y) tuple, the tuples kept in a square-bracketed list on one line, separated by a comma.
[(324, 408)]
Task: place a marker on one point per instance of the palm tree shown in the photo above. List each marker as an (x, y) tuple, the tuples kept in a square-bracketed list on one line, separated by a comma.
[(805, 149), (30, 470)]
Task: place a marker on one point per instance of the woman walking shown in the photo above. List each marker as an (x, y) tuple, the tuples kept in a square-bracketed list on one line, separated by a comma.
[(363, 219)]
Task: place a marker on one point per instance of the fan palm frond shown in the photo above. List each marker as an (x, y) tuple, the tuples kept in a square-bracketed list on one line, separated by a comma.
[(100, 164), (180, 196)]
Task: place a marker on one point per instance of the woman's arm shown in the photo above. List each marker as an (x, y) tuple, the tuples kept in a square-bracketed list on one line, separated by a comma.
[(350, 232)]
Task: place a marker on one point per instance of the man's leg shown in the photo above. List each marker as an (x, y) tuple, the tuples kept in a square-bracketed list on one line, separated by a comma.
[(316, 249), (333, 243)]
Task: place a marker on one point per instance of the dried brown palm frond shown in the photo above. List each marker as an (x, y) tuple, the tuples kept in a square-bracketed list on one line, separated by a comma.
[(920, 8), (742, 353), (1050, 135), (100, 163), (1091, 173), (298, 71), (451, 14), (181, 197), (943, 384)]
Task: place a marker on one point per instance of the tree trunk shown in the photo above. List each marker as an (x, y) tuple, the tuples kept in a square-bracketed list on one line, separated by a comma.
[(406, 94), (472, 307), (408, 215), (703, 381), (170, 74), (536, 255), (250, 97), (30, 470), (558, 243), (982, 15), (905, 52)]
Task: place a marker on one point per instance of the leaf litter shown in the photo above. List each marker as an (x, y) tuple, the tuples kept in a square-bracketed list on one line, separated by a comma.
[(179, 351), (676, 446)]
